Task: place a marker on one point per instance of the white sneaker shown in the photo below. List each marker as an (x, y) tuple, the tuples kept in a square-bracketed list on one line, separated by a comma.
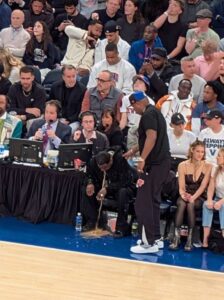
[(143, 249), (160, 243)]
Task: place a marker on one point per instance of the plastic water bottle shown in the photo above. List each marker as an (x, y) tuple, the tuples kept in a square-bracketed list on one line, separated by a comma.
[(134, 228), (78, 222)]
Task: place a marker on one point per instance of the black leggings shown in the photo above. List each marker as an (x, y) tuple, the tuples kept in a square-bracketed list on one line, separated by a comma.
[(190, 207)]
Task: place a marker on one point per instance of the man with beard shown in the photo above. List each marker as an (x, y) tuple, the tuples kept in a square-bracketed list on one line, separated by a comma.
[(81, 46), (159, 72), (10, 126), (141, 50)]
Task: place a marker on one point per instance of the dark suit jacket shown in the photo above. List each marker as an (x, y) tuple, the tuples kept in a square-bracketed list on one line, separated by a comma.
[(62, 131)]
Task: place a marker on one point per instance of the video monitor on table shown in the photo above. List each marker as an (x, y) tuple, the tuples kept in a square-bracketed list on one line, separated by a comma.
[(74, 156), (26, 151)]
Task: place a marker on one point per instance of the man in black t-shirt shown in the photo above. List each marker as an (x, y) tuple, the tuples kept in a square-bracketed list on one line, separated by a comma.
[(153, 170)]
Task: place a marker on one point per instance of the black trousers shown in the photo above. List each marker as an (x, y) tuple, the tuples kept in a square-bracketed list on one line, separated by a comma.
[(90, 205), (148, 200)]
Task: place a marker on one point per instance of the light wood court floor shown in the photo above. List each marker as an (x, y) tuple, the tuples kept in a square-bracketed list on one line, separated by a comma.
[(28, 272)]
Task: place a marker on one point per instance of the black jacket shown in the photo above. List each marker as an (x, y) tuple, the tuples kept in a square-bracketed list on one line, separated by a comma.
[(19, 101), (71, 106), (159, 84), (120, 175)]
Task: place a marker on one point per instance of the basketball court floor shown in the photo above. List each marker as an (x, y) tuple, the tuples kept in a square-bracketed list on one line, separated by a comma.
[(51, 261)]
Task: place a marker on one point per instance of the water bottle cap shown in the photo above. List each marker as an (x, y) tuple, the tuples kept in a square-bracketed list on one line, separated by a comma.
[(79, 214)]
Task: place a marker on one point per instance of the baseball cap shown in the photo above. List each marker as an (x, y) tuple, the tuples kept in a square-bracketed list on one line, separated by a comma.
[(204, 13), (142, 78), (137, 96), (215, 113), (111, 26), (177, 119), (159, 52)]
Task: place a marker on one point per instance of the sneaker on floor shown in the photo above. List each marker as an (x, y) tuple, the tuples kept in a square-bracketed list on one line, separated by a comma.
[(160, 243), (143, 249)]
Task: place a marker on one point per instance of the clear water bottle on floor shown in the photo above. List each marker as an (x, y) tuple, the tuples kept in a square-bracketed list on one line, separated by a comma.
[(134, 228), (78, 222)]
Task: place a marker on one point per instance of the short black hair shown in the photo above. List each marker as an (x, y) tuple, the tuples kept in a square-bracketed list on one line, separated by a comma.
[(71, 2), (27, 69), (111, 47), (94, 22), (216, 86), (102, 158)]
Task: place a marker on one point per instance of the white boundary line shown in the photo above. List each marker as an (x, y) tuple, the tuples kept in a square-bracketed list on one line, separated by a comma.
[(114, 258)]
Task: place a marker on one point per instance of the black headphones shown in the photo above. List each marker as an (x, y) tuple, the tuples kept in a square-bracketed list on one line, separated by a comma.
[(88, 113), (57, 104)]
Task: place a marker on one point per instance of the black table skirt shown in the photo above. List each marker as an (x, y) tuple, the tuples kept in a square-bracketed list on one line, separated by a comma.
[(39, 194)]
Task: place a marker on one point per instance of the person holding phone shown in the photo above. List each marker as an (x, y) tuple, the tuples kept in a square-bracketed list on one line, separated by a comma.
[(159, 71), (70, 17)]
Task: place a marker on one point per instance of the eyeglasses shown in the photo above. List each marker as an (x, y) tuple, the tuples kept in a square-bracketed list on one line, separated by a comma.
[(102, 80)]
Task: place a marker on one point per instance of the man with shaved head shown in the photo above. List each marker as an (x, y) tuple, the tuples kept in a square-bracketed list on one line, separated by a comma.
[(15, 37)]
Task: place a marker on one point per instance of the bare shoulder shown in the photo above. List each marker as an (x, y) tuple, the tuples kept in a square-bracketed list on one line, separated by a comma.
[(208, 166)]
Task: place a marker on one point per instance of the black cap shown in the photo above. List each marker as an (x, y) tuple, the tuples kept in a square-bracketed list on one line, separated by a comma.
[(177, 119), (214, 113), (204, 13), (111, 26), (159, 52)]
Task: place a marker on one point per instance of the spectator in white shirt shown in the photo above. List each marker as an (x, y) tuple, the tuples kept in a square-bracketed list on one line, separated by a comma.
[(180, 140), (213, 135), (111, 30), (15, 37), (122, 71)]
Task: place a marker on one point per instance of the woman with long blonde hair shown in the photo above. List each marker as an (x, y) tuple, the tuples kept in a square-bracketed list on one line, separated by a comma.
[(194, 175), (11, 65), (215, 188)]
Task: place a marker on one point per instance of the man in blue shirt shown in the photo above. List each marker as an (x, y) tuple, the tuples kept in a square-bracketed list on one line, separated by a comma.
[(141, 50)]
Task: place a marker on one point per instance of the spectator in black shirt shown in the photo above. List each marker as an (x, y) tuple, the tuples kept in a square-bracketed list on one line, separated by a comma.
[(39, 10), (169, 22), (27, 97), (132, 23), (71, 17), (70, 93), (153, 170), (40, 51), (159, 71)]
